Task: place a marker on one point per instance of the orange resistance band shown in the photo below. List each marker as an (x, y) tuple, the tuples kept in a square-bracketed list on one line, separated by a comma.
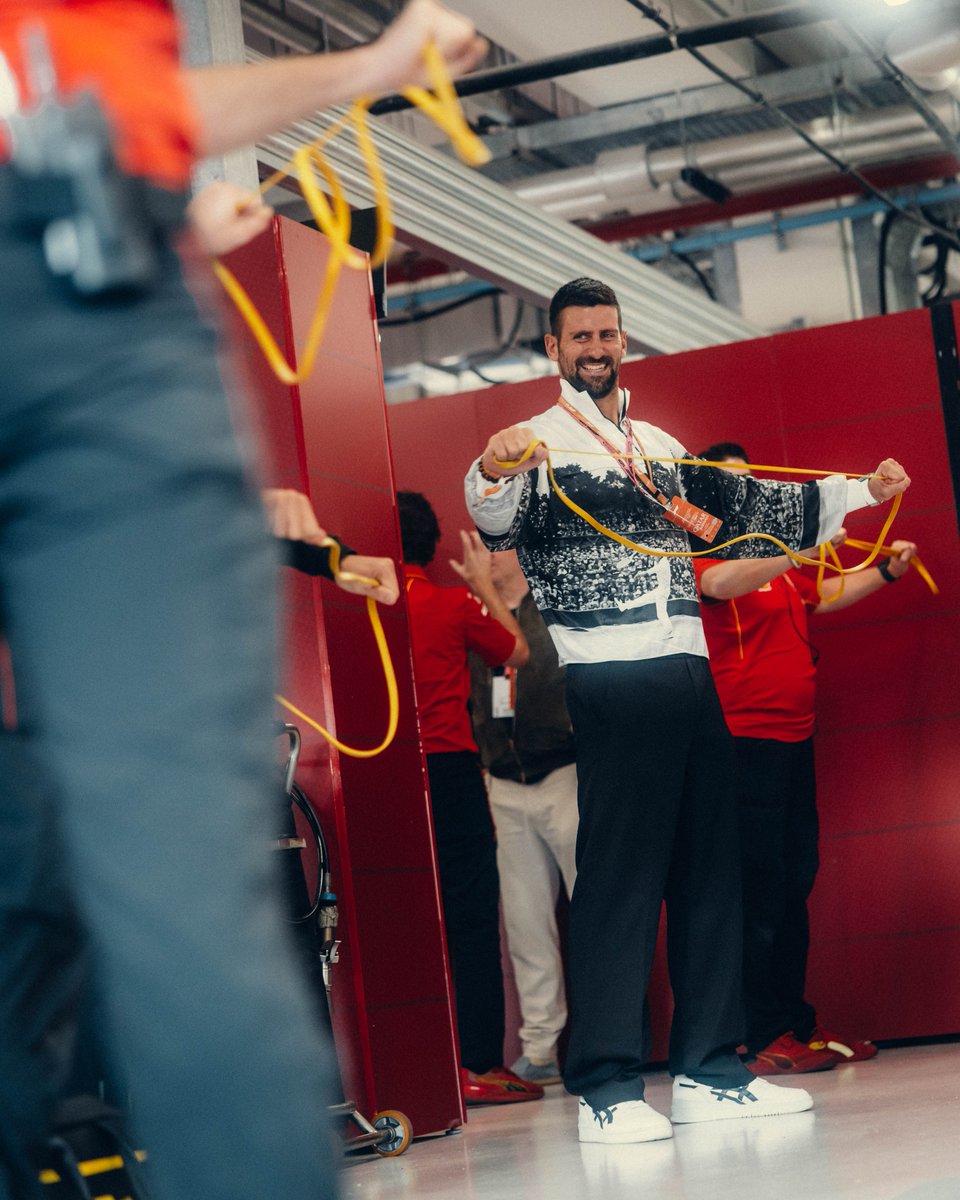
[(333, 216), (385, 660), (820, 563)]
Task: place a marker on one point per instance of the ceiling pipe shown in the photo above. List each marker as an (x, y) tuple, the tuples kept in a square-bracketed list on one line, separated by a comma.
[(816, 190), (637, 181), (708, 240), (913, 93), (556, 66)]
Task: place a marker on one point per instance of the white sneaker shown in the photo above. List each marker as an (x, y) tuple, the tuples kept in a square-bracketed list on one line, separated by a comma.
[(758, 1098), (628, 1121)]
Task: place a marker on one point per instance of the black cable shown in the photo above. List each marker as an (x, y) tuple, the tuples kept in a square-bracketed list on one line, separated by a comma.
[(814, 652), (700, 274), (888, 220), (906, 85), (489, 356), (505, 344), (936, 290), (299, 800), (427, 314), (756, 97)]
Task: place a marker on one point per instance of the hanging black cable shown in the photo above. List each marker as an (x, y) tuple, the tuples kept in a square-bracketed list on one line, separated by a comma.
[(700, 274), (914, 95), (885, 227), (936, 290), (428, 314), (758, 98)]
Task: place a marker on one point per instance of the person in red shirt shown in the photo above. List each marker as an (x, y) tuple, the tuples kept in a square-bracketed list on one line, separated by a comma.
[(137, 582), (446, 623), (755, 620)]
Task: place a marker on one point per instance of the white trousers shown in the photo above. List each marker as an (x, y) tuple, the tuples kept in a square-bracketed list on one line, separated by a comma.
[(536, 849)]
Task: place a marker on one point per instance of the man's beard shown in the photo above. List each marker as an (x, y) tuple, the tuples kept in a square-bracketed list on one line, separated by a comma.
[(596, 386)]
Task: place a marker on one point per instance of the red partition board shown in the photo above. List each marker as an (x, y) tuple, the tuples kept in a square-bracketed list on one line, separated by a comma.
[(328, 437), (840, 397)]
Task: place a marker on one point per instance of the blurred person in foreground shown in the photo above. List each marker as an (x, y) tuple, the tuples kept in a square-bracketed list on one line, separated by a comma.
[(137, 580)]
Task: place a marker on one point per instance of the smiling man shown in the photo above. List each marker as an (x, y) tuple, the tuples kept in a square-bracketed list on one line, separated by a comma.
[(654, 759)]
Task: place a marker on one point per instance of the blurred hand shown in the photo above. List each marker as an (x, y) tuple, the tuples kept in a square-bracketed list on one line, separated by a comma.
[(382, 570), (892, 480), (475, 570), (225, 216), (838, 538), (399, 49), (290, 515)]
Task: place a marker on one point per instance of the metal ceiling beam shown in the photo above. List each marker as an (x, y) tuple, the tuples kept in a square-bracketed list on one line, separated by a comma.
[(290, 33), (910, 90), (475, 224), (777, 199), (632, 50), (784, 87)]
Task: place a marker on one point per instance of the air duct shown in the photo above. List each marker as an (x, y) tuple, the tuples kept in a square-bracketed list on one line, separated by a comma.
[(639, 181)]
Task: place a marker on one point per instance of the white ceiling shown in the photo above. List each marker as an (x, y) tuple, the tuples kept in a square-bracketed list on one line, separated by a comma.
[(605, 135), (533, 29)]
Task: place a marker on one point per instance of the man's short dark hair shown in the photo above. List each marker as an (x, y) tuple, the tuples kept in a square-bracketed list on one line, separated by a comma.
[(723, 450), (582, 293), (419, 528)]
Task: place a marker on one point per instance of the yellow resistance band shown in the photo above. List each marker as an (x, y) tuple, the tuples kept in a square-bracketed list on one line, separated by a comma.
[(385, 661), (819, 563), (333, 216), (889, 550)]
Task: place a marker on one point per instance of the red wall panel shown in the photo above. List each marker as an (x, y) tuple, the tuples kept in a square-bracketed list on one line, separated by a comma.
[(886, 909), (391, 1000)]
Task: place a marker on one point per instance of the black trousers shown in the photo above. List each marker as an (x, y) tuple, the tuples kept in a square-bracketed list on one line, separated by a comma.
[(778, 843), (657, 822), (470, 888)]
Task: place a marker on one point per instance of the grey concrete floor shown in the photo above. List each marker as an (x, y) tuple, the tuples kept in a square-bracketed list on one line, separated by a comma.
[(888, 1129)]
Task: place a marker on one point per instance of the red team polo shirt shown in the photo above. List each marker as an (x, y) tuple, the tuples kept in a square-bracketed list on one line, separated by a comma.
[(445, 623), (760, 656), (127, 50)]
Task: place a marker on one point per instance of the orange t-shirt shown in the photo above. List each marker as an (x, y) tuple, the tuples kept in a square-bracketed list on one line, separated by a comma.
[(127, 50)]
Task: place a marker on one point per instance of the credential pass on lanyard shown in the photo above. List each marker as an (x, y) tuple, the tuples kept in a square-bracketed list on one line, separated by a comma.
[(677, 511)]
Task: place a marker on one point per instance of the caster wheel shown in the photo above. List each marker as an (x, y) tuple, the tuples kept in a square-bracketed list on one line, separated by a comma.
[(398, 1132)]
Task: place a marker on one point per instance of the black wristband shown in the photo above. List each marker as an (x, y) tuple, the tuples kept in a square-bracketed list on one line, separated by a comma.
[(884, 568), (308, 558)]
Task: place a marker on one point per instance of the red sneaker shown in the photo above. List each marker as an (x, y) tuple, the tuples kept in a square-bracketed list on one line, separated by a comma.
[(498, 1086), (842, 1049), (787, 1056)]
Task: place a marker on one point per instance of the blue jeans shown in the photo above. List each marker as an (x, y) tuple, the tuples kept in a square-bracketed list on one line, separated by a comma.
[(136, 581)]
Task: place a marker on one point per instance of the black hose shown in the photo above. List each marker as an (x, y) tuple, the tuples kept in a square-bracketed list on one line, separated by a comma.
[(300, 801)]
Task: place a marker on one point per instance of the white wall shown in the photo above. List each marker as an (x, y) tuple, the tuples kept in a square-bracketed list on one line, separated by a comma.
[(809, 281)]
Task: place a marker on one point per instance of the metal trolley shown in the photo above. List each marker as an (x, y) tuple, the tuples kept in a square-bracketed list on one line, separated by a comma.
[(389, 1132)]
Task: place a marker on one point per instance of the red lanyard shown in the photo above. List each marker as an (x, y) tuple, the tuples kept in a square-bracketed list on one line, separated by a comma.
[(677, 511), (624, 459)]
